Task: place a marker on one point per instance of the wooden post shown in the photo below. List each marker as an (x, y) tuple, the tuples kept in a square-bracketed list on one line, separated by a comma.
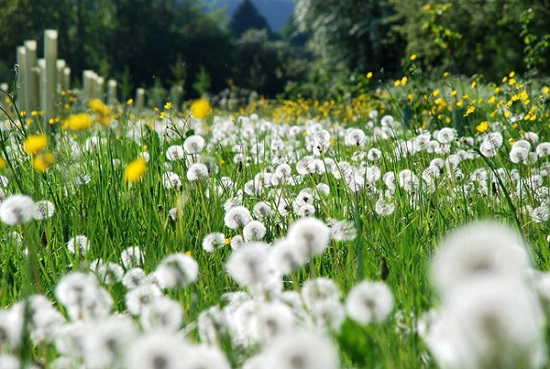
[(61, 64), (50, 83), (20, 84), (67, 78), (140, 99), (113, 99), (88, 82), (5, 87), (99, 88), (31, 80), (41, 72)]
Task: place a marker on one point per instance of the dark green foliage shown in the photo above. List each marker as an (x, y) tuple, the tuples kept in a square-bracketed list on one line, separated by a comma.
[(247, 17)]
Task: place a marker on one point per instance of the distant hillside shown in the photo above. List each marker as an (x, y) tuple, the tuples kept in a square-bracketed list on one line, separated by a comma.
[(275, 11)]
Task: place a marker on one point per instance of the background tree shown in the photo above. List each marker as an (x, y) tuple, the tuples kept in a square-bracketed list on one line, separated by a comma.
[(351, 34), (247, 17)]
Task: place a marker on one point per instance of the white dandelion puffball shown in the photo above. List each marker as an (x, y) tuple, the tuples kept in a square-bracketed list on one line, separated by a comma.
[(254, 231), (17, 209), (250, 263), (213, 241), (43, 210), (177, 271), (197, 172), (78, 245), (157, 350), (492, 322), (369, 302), (300, 349), (237, 217), (175, 152), (193, 144), (477, 249), (311, 234)]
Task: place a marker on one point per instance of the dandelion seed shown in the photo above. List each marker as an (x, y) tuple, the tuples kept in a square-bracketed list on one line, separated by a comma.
[(249, 264), (157, 350), (477, 249), (139, 297), (254, 231), (162, 314), (175, 152), (311, 234), (133, 278), (106, 344), (213, 241), (131, 257), (193, 144), (237, 217), (78, 245), (43, 210), (287, 257), (177, 271), (369, 302), (300, 349), (17, 209), (197, 172)]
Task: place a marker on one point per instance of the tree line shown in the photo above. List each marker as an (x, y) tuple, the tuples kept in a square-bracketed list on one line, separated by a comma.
[(325, 44)]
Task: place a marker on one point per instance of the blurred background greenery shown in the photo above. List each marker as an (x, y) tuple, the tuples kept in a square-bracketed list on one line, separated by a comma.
[(323, 50)]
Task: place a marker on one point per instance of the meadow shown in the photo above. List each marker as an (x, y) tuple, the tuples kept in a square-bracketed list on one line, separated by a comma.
[(407, 227)]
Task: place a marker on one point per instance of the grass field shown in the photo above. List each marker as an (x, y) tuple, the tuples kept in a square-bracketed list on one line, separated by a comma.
[(295, 234)]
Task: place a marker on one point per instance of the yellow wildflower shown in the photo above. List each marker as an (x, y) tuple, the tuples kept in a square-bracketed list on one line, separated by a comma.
[(42, 162), (474, 84), (482, 127), (201, 108), (135, 170), (35, 143), (162, 115), (413, 57), (99, 106), (3, 163), (435, 93), (78, 122), (130, 101), (168, 105), (369, 75)]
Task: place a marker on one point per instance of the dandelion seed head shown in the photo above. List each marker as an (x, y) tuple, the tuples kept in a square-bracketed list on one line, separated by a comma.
[(213, 241), (193, 144), (17, 209), (369, 302), (177, 271), (237, 217)]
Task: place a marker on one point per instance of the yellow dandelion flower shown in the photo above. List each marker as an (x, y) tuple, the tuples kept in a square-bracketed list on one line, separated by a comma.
[(454, 92), (129, 101), (168, 105), (99, 106), (404, 80), (201, 108), (35, 143), (228, 240), (162, 115), (78, 122), (512, 74), (474, 84), (135, 170), (397, 83), (482, 127), (435, 93), (42, 162), (369, 75), (413, 57), (446, 74)]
